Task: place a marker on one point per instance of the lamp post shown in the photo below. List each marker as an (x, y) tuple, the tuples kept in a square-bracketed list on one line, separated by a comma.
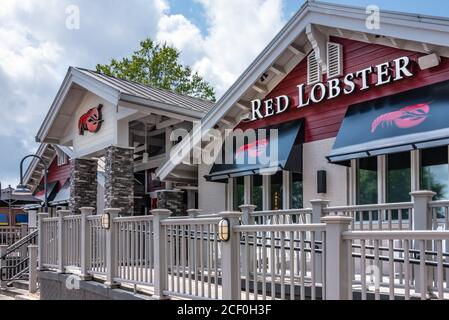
[(23, 189)]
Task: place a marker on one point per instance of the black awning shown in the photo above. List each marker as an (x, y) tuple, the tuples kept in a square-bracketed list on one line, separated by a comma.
[(63, 195), (415, 119), (265, 151)]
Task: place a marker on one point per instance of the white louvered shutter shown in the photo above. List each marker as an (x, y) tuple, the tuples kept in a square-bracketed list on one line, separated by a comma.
[(313, 69), (334, 60)]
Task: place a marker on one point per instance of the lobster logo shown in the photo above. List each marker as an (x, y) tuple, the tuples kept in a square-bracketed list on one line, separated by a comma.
[(91, 120), (404, 118), (254, 149)]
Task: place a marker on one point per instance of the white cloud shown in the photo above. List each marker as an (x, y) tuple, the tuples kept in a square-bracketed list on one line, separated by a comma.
[(237, 31)]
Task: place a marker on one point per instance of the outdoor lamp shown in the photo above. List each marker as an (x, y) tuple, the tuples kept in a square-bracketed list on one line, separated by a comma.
[(106, 221), (223, 230), (22, 189)]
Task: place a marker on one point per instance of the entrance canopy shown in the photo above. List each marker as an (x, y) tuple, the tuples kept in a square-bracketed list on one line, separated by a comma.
[(416, 119), (266, 151)]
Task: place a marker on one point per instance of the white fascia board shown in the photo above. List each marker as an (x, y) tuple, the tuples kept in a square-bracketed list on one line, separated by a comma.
[(411, 27), (97, 87), (90, 84), (32, 166), (398, 25), (170, 110)]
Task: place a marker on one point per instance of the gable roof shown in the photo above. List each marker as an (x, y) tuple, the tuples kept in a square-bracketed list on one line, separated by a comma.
[(78, 80), (138, 90), (34, 173), (306, 31)]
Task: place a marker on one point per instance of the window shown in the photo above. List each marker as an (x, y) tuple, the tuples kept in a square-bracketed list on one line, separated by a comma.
[(61, 157), (398, 177), (239, 192), (257, 192), (296, 191), (398, 181), (434, 172), (334, 60), (366, 176), (313, 69), (276, 191)]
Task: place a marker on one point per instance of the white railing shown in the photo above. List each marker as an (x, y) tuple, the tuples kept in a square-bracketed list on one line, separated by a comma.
[(312, 257), (71, 230), (440, 214), (10, 235), (388, 216), (48, 242), (134, 249), (282, 261), (192, 257), (273, 217), (406, 263), (96, 246)]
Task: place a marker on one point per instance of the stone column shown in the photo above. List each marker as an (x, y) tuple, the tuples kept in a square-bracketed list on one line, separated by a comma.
[(119, 180), (172, 200), (83, 184)]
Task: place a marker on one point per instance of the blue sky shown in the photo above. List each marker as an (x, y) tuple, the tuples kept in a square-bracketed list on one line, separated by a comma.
[(218, 38)]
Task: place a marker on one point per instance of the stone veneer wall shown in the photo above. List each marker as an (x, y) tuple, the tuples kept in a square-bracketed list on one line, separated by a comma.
[(83, 184), (172, 200), (119, 182)]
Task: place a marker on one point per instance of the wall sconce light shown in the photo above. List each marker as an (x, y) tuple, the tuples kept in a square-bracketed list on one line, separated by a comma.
[(106, 221), (223, 230), (321, 181)]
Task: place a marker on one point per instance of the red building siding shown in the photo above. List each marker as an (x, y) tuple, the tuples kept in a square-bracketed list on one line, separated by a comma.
[(58, 173), (323, 120)]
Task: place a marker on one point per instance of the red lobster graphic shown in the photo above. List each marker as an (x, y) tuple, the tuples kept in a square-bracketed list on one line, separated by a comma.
[(254, 149), (407, 117), (91, 120)]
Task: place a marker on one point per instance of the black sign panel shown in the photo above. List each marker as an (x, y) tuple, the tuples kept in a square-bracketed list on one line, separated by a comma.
[(251, 157), (414, 119)]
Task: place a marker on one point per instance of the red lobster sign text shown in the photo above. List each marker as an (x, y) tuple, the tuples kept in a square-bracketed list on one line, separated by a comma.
[(91, 120), (404, 118)]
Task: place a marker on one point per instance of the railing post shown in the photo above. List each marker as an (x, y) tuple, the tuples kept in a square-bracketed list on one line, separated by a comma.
[(230, 265), (23, 230), (160, 267), (337, 258), (194, 213), (61, 239), (85, 243), (247, 219), (111, 254), (422, 217), (317, 214), (40, 236), (32, 251), (247, 213), (422, 220), (3, 263)]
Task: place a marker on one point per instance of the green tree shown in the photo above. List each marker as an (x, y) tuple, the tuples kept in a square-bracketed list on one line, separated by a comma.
[(157, 65)]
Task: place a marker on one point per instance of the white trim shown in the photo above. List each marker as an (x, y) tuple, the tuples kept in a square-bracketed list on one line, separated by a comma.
[(415, 166), (382, 179), (230, 195), (266, 192), (286, 189), (248, 189)]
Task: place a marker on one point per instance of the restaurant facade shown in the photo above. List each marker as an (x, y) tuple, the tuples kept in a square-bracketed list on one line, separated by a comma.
[(361, 115)]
